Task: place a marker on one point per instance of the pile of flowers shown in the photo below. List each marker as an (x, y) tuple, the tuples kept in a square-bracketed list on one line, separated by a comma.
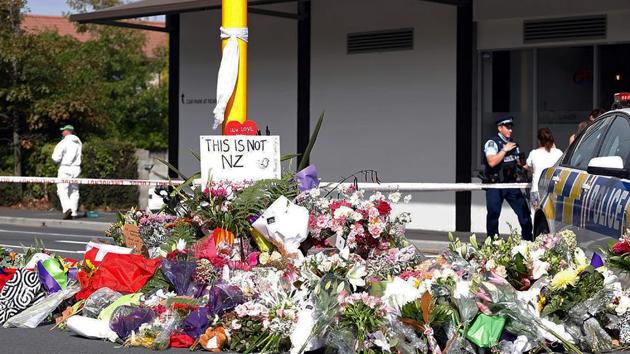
[(271, 266)]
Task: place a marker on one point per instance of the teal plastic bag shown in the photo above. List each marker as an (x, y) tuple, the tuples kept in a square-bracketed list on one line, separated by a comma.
[(485, 330)]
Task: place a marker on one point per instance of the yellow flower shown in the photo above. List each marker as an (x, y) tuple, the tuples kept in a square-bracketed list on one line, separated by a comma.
[(541, 303), (581, 268), (564, 278)]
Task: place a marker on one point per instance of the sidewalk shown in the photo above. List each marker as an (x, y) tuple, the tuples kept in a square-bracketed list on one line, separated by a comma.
[(37, 218)]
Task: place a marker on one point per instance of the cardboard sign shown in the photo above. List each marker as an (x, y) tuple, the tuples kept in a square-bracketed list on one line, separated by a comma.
[(239, 158), (132, 239), (237, 128)]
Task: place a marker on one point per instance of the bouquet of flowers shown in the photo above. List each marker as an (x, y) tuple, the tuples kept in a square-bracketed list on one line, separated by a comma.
[(9, 258), (618, 253), (363, 224), (153, 228), (362, 325)]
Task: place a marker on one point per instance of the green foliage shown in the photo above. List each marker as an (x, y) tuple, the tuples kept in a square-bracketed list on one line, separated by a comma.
[(257, 197), (561, 301), (157, 281), (109, 159), (311, 143), (105, 87), (182, 230), (10, 193)]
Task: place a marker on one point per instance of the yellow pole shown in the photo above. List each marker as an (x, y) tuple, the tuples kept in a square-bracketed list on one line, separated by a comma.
[(234, 15)]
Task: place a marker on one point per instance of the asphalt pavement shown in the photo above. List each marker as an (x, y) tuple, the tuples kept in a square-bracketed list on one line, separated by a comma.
[(67, 242), (20, 229)]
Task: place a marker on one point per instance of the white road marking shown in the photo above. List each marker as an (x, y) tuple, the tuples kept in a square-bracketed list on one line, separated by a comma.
[(48, 249), (73, 242), (47, 233)]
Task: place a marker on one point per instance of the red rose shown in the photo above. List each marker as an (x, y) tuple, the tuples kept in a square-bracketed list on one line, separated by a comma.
[(383, 207), (621, 247)]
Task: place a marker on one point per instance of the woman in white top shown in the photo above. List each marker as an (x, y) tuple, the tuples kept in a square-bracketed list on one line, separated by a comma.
[(546, 155)]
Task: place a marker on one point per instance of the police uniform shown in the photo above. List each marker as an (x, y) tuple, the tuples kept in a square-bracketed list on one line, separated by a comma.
[(504, 172)]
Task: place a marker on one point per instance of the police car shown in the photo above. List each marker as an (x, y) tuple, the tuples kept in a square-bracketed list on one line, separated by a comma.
[(588, 190)]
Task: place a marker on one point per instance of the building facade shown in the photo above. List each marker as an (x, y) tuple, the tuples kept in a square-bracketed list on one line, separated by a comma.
[(392, 82)]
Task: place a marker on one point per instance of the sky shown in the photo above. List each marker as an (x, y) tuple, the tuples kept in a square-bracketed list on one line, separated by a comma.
[(58, 7), (48, 7)]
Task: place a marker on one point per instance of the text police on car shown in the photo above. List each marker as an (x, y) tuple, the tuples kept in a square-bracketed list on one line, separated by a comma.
[(503, 164)]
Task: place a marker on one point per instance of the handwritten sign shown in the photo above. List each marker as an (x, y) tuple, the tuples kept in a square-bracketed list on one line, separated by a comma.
[(238, 128), (239, 158), (132, 239)]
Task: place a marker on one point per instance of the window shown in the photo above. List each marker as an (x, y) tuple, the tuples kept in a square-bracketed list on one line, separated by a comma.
[(585, 148), (617, 141)]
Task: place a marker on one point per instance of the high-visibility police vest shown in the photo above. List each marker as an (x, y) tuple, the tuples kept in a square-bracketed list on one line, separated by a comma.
[(505, 170)]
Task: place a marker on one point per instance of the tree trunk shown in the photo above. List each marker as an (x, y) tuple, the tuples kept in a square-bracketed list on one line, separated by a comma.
[(17, 151)]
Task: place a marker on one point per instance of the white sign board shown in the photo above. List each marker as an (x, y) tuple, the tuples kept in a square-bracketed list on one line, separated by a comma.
[(239, 157)]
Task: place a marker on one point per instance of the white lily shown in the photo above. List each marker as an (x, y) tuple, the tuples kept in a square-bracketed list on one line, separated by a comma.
[(355, 275), (181, 245)]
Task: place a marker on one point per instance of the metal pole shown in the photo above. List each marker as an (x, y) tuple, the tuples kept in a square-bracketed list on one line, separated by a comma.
[(234, 15)]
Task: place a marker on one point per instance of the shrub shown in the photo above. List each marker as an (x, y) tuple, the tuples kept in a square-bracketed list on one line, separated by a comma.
[(100, 159), (109, 159)]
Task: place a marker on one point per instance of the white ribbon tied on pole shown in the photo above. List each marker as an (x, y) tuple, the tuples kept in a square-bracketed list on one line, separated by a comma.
[(228, 71)]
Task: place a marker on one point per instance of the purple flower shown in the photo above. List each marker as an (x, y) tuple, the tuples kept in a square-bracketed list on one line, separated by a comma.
[(596, 260)]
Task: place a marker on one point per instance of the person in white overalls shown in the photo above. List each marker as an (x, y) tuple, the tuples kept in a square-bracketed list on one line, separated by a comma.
[(67, 154)]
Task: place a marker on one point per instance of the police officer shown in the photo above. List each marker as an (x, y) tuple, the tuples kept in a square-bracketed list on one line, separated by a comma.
[(501, 165)]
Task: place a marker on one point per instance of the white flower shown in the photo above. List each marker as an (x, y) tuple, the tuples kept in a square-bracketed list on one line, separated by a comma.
[(462, 289), (355, 275), (181, 245), (343, 212), (490, 265), (522, 248), (400, 292), (425, 286), (275, 256), (540, 269), (407, 198), (377, 196), (394, 197), (315, 192), (624, 305), (444, 274), (580, 258), (501, 271)]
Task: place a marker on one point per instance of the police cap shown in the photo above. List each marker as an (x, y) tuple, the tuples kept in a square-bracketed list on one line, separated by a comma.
[(504, 120)]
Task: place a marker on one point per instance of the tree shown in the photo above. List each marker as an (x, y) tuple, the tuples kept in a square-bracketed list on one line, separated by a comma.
[(105, 86), (10, 18)]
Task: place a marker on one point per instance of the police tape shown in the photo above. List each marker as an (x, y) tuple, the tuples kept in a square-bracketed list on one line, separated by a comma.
[(436, 187), (402, 186), (91, 181)]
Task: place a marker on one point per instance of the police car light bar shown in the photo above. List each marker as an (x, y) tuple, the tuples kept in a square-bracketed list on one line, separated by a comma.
[(622, 99)]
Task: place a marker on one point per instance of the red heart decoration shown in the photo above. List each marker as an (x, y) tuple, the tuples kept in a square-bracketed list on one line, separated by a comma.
[(237, 128)]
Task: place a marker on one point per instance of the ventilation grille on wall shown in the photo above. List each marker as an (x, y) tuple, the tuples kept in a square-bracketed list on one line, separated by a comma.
[(380, 41), (564, 29)]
